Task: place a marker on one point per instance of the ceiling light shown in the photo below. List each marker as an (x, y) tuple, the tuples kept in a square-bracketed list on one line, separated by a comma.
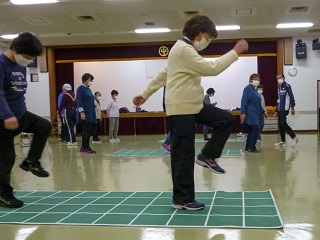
[(26, 2), (294, 25), (228, 27), (152, 30), (9, 36)]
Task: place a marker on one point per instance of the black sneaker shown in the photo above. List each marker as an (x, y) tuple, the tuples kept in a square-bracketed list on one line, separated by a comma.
[(209, 163), (192, 206), (10, 202), (87, 151), (34, 167)]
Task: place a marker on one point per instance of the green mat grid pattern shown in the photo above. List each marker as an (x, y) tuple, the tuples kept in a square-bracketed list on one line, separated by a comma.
[(201, 140), (223, 209), (161, 152)]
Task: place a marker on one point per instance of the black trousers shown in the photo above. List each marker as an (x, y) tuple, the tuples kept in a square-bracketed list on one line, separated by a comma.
[(182, 130), (96, 130), (29, 123), (284, 127), (86, 134)]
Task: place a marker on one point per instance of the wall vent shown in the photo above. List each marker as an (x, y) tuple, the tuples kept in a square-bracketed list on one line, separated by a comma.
[(86, 19), (37, 21), (298, 9), (149, 23), (189, 13), (244, 12)]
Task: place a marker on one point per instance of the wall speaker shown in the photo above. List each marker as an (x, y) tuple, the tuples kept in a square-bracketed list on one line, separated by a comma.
[(301, 50), (315, 44)]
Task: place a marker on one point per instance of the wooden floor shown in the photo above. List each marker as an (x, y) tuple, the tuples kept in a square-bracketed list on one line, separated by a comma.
[(292, 173)]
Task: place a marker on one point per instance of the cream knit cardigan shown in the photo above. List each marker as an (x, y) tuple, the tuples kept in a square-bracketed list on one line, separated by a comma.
[(182, 77)]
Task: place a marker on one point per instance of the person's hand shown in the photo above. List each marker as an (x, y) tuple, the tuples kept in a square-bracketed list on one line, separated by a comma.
[(214, 104), (83, 116), (293, 111), (265, 114), (138, 100), (62, 115), (11, 123), (275, 114), (241, 46), (242, 117)]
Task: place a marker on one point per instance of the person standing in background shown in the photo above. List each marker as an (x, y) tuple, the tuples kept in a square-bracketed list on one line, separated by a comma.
[(113, 114), (251, 111), (263, 105), (69, 106), (207, 101), (86, 109), (97, 124), (63, 130), (15, 118), (285, 103)]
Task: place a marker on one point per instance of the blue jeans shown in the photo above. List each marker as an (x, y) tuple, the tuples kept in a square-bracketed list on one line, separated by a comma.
[(252, 137)]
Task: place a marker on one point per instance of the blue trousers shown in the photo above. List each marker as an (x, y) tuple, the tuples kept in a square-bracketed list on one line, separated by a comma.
[(252, 137)]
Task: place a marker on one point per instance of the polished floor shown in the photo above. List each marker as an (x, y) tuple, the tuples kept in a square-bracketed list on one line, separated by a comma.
[(292, 173)]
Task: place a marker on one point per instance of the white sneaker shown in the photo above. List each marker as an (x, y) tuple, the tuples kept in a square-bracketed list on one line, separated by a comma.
[(117, 139), (295, 141), (240, 134), (75, 144), (280, 144), (112, 140), (96, 142), (69, 143)]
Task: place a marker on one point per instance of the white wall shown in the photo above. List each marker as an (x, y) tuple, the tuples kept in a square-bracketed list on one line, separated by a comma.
[(38, 96), (130, 78), (304, 85)]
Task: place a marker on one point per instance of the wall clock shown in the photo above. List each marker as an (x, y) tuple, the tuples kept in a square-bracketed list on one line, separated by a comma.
[(292, 71)]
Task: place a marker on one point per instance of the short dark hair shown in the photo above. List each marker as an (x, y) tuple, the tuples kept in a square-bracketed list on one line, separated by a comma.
[(254, 75), (199, 24), (211, 91), (280, 74), (96, 93), (87, 76), (114, 92), (27, 43)]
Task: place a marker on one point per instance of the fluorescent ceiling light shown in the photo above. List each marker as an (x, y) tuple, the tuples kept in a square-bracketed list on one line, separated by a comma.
[(294, 25), (9, 36), (26, 2), (228, 27), (152, 30)]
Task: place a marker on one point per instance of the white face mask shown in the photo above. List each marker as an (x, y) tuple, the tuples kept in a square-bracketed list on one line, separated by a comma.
[(99, 98), (200, 45), (115, 97), (21, 60), (255, 83), (89, 84), (260, 91), (280, 81)]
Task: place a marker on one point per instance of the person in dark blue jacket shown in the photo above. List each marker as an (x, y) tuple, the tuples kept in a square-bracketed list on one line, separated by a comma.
[(86, 109), (14, 116), (285, 103), (251, 111)]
